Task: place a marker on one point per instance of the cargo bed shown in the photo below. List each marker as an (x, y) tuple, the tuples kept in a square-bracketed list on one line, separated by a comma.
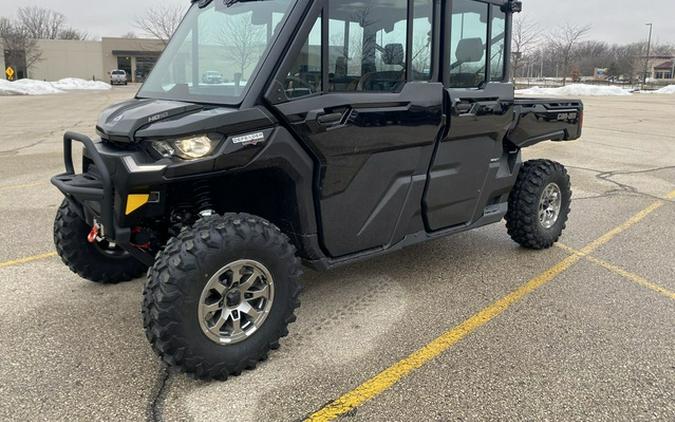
[(545, 119)]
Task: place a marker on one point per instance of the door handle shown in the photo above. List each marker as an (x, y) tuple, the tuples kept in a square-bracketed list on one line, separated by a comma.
[(329, 119), (464, 107)]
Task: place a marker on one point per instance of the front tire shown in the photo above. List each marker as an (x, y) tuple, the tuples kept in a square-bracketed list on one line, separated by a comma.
[(539, 204), (221, 295), (96, 262)]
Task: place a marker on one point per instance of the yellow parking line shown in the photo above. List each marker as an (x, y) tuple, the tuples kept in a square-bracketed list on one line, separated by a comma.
[(637, 279), (392, 375), (26, 260), (633, 277)]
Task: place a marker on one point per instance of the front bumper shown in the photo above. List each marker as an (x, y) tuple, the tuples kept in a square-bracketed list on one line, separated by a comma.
[(92, 191), (102, 191)]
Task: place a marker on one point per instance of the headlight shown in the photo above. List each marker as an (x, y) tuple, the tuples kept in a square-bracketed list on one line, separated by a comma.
[(190, 148)]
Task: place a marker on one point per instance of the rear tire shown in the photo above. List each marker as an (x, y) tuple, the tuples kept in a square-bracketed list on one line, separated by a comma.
[(539, 204), (91, 261), (195, 272)]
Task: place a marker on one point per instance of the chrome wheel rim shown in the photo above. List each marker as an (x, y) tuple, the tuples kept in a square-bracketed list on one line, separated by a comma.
[(550, 204), (236, 301)]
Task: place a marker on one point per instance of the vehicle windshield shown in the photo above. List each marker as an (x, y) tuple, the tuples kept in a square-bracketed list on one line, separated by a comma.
[(216, 51)]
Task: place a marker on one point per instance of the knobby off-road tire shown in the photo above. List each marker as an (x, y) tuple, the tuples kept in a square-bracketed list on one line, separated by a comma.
[(530, 219), (192, 261), (93, 262)]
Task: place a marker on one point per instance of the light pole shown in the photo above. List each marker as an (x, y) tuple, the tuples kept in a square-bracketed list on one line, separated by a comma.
[(649, 48)]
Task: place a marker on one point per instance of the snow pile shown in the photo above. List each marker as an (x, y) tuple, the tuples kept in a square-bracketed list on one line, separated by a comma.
[(27, 87), (670, 89), (33, 87), (70, 84), (576, 90)]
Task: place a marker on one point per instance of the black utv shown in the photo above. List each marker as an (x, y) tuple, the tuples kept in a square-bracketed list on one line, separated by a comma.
[(337, 130)]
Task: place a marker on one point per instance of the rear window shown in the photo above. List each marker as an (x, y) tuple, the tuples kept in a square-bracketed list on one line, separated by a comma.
[(119, 72)]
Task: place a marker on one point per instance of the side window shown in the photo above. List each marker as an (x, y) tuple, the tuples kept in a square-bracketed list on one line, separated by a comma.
[(304, 78), (422, 39), (497, 50), (367, 42), (468, 43)]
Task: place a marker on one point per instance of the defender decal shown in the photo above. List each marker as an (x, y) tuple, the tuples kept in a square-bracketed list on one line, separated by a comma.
[(250, 139)]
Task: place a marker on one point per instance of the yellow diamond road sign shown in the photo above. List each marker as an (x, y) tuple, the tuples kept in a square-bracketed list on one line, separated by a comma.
[(9, 72)]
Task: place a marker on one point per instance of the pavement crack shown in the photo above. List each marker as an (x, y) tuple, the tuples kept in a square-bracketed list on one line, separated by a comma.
[(49, 136), (16, 150), (160, 391), (621, 188)]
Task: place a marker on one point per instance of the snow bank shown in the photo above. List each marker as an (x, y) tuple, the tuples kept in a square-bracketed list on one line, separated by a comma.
[(27, 87), (670, 89), (576, 90), (33, 87), (70, 84)]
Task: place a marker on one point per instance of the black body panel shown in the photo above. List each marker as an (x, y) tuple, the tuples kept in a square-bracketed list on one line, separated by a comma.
[(367, 158), (461, 176), (543, 119)]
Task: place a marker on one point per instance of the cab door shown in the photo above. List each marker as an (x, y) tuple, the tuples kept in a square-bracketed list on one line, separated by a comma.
[(478, 105), (357, 90)]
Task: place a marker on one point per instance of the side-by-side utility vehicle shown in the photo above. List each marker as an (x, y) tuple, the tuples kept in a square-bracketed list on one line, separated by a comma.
[(336, 131)]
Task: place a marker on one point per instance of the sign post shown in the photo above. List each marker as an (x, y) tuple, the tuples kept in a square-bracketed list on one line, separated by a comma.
[(10, 73)]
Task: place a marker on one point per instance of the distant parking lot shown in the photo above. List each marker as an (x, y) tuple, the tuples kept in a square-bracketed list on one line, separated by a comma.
[(465, 328)]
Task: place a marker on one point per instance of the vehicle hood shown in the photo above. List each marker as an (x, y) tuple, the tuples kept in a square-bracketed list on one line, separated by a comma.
[(138, 119)]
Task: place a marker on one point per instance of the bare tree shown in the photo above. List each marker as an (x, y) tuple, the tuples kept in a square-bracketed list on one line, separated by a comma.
[(73, 34), (525, 35), (563, 40), (130, 34), (421, 57), (40, 23), (21, 49), (161, 21), (243, 39)]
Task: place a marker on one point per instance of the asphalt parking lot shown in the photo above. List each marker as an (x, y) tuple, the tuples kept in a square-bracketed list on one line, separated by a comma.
[(470, 327)]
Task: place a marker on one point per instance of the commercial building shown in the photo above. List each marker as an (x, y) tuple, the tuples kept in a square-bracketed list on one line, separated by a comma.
[(87, 59), (662, 68), (665, 70)]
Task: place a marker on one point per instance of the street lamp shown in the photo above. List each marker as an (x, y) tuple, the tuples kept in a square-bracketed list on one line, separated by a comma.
[(649, 47)]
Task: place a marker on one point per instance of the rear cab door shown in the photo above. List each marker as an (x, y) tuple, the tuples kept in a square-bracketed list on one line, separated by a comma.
[(361, 89), (472, 171)]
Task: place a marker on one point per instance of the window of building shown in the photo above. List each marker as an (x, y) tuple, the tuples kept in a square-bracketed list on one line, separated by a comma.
[(305, 75), (422, 36), (498, 37), (367, 45), (663, 74), (468, 43), (124, 63)]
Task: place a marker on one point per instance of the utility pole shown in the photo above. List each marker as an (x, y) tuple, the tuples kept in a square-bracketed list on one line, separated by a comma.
[(649, 48)]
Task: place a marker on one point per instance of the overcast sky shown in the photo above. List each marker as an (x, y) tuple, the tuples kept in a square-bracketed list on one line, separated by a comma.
[(614, 21)]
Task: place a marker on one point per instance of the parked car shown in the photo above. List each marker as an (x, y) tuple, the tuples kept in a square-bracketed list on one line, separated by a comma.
[(118, 77), (223, 191), (212, 78)]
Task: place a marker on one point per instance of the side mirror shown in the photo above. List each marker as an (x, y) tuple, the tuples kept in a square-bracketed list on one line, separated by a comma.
[(512, 7), (393, 54), (470, 50)]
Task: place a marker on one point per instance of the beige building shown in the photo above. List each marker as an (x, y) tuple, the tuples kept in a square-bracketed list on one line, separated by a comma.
[(662, 68), (89, 59)]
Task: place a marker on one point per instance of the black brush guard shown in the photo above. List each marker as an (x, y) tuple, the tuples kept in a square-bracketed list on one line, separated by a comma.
[(96, 188)]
